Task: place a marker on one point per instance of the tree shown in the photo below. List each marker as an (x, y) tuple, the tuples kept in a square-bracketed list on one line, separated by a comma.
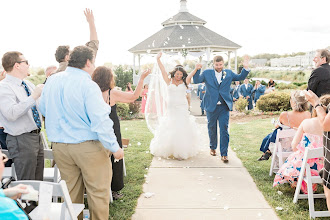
[(124, 75)]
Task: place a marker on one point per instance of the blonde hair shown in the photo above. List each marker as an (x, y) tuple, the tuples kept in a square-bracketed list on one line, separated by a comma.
[(325, 101), (300, 101)]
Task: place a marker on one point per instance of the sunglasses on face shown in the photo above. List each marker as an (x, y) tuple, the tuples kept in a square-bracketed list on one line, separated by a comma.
[(23, 61)]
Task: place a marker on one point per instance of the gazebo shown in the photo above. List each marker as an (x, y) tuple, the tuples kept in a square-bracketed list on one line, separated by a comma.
[(187, 34)]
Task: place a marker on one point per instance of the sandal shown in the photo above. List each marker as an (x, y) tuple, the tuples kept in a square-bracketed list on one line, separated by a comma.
[(117, 195)]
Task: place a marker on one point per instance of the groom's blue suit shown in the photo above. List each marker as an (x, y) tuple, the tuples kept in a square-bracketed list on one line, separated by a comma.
[(218, 93)]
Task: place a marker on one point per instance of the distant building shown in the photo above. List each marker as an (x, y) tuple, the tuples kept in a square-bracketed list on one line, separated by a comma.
[(258, 62), (301, 60)]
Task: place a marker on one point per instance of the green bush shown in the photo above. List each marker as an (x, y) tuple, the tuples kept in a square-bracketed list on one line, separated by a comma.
[(123, 110), (282, 86), (275, 101), (241, 104), (134, 107), (37, 79)]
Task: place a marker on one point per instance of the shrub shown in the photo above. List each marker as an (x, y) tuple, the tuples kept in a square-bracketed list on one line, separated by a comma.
[(275, 101), (134, 107), (37, 79), (123, 110), (241, 104), (282, 86)]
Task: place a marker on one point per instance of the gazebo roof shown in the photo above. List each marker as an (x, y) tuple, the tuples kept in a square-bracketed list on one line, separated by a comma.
[(184, 31)]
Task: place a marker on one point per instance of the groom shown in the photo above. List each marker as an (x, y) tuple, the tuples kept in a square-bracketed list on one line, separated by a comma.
[(218, 101)]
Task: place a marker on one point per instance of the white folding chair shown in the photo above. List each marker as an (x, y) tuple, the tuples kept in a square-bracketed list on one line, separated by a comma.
[(305, 174), (278, 150), (65, 210), (51, 174)]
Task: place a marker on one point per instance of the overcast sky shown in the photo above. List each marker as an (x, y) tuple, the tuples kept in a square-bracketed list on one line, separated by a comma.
[(37, 27)]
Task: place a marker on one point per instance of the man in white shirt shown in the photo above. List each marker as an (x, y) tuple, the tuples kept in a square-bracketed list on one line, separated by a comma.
[(20, 117)]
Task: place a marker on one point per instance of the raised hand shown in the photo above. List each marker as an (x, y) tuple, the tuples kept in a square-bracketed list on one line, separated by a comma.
[(89, 15), (159, 55), (145, 73), (198, 66), (2, 75), (246, 61), (312, 97)]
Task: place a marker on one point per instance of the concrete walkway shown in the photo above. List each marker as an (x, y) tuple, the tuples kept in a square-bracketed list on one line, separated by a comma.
[(202, 187)]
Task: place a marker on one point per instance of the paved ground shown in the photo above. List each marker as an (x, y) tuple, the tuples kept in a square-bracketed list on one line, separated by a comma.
[(202, 187)]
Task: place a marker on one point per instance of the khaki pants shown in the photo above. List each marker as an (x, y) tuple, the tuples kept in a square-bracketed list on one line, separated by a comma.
[(86, 165)]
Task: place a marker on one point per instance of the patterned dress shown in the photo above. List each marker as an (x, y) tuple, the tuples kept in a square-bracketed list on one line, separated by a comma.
[(290, 170)]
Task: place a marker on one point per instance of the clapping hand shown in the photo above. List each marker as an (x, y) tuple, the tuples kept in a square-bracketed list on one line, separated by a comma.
[(89, 15), (246, 61), (311, 97)]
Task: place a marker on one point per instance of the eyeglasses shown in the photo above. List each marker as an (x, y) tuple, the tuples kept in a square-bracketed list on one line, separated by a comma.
[(4, 158), (23, 61)]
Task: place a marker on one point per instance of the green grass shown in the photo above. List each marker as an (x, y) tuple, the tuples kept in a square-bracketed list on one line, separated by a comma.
[(136, 161), (245, 139)]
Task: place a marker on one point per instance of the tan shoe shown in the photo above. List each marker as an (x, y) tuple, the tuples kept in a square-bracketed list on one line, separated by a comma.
[(213, 153), (224, 159)]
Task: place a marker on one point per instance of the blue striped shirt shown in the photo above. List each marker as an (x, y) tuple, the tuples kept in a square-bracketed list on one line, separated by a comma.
[(75, 111)]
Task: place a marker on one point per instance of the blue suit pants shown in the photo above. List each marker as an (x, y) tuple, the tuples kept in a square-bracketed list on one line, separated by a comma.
[(221, 115)]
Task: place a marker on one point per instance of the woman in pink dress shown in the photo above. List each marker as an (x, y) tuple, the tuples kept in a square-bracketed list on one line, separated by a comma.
[(309, 134), (144, 97)]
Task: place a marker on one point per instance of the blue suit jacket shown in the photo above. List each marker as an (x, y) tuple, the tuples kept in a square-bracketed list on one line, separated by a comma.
[(200, 90), (246, 92), (236, 92), (214, 90), (259, 92)]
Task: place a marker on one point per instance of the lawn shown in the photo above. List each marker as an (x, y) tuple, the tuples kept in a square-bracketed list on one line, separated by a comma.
[(245, 140)]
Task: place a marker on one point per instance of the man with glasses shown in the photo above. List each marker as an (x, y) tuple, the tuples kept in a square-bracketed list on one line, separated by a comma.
[(20, 117), (319, 81)]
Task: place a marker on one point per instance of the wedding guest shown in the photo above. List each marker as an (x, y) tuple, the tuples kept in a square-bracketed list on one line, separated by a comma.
[(236, 93), (271, 84), (287, 120), (319, 80), (246, 91), (309, 134), (50, 70), (8, 207), (103, 76), (144, 97), (62, 52), (79, 127), (258, 91), (200, 94), (129, 88), (324, 117), (20, 117)]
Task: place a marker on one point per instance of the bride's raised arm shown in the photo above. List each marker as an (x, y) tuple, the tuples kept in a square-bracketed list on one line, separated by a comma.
[(197, 67), (162, 69)]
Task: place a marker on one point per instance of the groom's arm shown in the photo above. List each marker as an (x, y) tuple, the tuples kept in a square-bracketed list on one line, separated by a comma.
[(198, 77), (242, 76)]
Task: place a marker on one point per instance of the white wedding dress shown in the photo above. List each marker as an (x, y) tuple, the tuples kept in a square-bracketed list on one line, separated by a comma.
[(177, 134)]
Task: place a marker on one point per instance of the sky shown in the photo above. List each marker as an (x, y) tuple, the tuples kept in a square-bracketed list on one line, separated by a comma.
[(37, 27)]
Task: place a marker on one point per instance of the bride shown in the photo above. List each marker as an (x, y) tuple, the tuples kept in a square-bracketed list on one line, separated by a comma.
[(177, 134)]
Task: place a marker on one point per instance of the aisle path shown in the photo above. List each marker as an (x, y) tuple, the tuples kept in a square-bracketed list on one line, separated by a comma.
[(202, 187)]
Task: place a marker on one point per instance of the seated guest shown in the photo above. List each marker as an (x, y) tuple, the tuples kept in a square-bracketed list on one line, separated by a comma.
[(309, 134), (259, 90), (8, 207), (271, 84), (104, 77), (246, 91), (20, 117), (288, 119)]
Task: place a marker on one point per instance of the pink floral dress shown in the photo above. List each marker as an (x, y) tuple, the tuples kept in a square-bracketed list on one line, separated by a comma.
[(290, 170)]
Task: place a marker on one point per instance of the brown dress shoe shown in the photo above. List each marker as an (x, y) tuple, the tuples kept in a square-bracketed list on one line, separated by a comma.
[(213, 153), (224, 159)]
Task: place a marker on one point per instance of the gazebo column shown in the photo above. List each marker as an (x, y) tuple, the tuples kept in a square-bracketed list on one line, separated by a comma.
[(208, 53), (139, 60), (133, 64), (229, 59), (235, 61)]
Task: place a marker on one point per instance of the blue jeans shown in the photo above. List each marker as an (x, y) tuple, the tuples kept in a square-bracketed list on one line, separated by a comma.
[(269, 138)]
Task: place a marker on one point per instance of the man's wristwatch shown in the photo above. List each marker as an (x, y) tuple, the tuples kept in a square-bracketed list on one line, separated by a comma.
[(317, 105)]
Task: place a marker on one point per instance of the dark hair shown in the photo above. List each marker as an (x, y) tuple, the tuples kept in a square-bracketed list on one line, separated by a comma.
[(217, 59), (129, 88), (324, 53), (80, 55), (325, 101), (9, 59), (103, 76), (61, 52), (180, 68)]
